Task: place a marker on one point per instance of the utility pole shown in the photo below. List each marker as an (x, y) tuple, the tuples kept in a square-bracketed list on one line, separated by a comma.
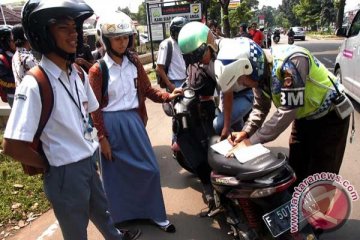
[(2, 13)]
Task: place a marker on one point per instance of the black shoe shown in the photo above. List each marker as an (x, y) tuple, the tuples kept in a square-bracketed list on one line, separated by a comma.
[(170, 228), (130, 234)]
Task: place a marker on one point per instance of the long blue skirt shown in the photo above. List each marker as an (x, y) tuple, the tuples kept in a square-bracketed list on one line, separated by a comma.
[(132, 180)]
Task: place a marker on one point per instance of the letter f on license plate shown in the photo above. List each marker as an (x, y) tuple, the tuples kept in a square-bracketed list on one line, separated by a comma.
[(278, 220)]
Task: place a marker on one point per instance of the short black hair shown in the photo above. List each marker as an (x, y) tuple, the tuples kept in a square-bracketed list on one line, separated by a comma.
[(18, 35)]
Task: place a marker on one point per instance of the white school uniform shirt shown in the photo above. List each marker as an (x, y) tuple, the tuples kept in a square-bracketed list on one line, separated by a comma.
[(122, 90), (177, 67), (63, 136)]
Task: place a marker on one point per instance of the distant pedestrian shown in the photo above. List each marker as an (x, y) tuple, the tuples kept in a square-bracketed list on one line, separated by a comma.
[(243, 31), (257, 35), (7, 50), (23, 58)]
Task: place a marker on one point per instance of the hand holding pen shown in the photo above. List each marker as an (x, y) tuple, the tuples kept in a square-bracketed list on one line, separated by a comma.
[(236, 137)]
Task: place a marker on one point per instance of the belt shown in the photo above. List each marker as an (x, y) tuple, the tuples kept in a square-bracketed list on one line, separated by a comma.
[(206, 98), (319, 115)]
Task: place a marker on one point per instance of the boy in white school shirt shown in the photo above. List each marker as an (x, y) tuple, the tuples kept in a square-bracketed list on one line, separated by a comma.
[(71, 182)]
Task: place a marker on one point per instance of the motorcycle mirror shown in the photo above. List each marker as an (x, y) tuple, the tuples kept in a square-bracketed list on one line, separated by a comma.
[(189, 93), (168, 109)]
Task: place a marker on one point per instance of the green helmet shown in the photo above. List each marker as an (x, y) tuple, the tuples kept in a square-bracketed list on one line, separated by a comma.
[(193, 40)]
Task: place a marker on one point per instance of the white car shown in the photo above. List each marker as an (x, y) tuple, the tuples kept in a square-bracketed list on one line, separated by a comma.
[(347, 61), (299, 33), (143, 38)]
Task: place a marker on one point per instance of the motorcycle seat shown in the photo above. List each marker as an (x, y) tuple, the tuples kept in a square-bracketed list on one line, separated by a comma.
[(249, 170)]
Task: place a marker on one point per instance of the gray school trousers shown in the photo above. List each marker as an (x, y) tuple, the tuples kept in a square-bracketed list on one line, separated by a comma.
[(77, 196)]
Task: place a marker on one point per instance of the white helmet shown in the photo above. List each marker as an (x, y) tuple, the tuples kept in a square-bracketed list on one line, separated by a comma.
[(113, 25), (237, 57)]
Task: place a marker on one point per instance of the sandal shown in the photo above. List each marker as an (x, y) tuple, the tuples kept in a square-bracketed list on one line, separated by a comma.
[(169, 228)]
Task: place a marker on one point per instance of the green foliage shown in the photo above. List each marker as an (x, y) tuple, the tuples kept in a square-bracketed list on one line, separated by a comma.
[(328, 13), (214, 11), (281, 20), (241, 14), (287, 9), (307, 11), (141, 15), (31, 196)]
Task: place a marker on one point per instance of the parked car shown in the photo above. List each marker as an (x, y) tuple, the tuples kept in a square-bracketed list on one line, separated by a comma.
[(299, 33), (144, 38), (348, 58)]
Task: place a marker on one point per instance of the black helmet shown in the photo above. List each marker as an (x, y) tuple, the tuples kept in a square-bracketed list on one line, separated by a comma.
[(5, 37), (38, 14), (175, 26)]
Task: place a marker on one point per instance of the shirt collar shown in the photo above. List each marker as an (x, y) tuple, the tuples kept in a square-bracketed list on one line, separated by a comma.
[(110, 62), (53, 69)]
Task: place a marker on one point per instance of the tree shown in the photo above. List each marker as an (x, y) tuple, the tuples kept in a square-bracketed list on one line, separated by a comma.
[(327, 15), (287, 8), (141, 16), (340, 5), (225, 10), (242, 14), (308, 12), (269, 13)]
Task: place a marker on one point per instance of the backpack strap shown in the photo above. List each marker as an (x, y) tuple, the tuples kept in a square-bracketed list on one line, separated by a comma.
[(47, 102), (80, 72), (105, 77), (168, 55)]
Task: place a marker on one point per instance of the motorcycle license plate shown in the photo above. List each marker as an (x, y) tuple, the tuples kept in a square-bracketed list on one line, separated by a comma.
[(278, 220)]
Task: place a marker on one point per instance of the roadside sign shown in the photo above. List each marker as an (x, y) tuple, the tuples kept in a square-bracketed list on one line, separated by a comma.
[(157, 32), (167, 13)]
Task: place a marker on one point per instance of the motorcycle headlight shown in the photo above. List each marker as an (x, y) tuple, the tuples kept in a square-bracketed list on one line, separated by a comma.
[(189, 93)]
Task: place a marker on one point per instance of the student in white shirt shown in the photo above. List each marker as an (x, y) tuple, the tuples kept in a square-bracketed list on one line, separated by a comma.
[(23, 58), (71, 182), (176, 74)]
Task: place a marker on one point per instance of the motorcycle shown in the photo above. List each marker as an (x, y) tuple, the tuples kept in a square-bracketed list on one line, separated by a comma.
[(276, 38), (253, 196), (191, 129), (291, 40)]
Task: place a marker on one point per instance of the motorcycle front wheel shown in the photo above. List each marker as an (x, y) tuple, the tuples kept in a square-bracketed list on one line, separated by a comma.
[(179, 157)]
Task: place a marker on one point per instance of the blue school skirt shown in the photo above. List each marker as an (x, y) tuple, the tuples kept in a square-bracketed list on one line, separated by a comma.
[(132, 180)]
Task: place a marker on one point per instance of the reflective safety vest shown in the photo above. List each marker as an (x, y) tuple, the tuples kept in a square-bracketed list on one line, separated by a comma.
[(317, 84)]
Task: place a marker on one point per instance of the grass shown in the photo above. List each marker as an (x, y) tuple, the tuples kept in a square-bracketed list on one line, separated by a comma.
[(21, 196), (322, 35), (152, 76)]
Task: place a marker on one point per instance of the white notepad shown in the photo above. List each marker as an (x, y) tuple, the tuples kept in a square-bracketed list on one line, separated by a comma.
[(241, 154)]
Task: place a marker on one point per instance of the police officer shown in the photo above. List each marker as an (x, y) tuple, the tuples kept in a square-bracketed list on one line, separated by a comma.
[(300, 88)]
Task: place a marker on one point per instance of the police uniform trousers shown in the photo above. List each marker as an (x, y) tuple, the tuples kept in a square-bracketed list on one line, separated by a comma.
[(76, 194), (318, 145), (132, 180)]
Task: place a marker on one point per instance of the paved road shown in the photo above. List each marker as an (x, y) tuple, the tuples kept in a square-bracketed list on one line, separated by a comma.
[(182, 192)]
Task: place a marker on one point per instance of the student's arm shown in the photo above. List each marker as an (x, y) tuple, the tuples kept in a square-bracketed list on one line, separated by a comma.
[(228, 104)]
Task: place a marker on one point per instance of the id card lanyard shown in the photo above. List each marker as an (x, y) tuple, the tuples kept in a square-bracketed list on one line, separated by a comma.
[(88, 130)]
